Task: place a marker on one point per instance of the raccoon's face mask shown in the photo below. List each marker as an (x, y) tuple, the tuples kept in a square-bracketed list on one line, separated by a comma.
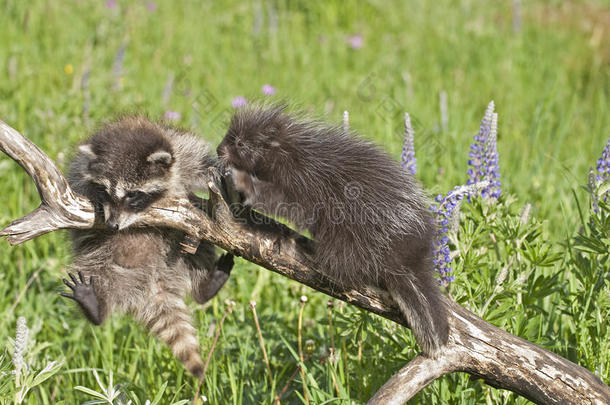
[(120, 207), (119, 196)]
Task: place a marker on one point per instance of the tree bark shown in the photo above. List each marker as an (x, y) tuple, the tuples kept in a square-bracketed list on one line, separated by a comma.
[(475, 346)]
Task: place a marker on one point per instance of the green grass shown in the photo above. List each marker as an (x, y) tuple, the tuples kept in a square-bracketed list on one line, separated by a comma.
[(550, 82)]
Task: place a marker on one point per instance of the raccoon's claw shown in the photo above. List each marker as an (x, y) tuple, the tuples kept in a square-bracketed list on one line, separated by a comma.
[(83, 293), (225, 263)]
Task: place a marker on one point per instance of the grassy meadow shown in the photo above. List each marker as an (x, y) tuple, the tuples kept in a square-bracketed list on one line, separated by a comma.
[(68, 65)]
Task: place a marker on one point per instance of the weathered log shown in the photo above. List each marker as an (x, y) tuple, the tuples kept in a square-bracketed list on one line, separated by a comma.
[(475, 346)]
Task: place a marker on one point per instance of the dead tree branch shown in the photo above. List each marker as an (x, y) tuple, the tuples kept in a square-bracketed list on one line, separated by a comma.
[(475, 346)]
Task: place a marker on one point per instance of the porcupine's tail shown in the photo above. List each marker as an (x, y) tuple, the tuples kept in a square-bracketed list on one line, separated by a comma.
[(423, 307)]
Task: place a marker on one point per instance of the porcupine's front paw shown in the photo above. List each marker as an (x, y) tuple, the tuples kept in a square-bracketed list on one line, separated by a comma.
[(84, 294)]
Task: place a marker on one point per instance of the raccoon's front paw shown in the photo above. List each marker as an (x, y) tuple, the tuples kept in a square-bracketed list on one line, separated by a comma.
[(225, 263), (81, 289), (83, 293)]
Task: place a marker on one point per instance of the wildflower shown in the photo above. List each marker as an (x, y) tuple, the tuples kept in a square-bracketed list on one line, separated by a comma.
[(603, 164), (442, 102), (268, 90), (492, 162), (483, 155), (443, 211), (408, 160), (239, 101), (355, 41), (172, 115), (151, 6), (111, 4), (309, 346), (21, 340), (446, 211), (603, 168), (68, 69), (346, 120), (117, 68)]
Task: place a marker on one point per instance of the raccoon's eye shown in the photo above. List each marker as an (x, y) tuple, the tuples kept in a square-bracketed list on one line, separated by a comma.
[(100, 194), (138, 200)]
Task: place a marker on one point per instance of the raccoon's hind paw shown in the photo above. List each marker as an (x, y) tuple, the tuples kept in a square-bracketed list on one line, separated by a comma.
[(84, 294), (225, 263)]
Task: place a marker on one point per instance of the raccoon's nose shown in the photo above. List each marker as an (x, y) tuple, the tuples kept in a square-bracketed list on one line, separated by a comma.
[(112, 224)]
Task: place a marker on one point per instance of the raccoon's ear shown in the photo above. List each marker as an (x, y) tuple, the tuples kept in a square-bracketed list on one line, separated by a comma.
[(87, 150), (160, 157)]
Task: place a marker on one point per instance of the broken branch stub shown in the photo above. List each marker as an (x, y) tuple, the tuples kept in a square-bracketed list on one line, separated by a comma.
[(60, 208)]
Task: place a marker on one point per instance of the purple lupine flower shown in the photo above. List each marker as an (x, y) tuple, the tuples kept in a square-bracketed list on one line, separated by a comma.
[(603, 168), (443, 210), (110, 4), (172, 115), (355, 41), (268, 90), (408, 160), (446, 210), (239, 101), (477, 149), (151, 6), (483, 155)]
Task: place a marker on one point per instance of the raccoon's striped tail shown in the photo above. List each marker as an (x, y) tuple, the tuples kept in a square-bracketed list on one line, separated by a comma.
[(168, 317), (425, 312)]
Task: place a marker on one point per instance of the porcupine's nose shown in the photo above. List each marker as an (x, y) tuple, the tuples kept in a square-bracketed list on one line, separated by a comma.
[(222, 151)]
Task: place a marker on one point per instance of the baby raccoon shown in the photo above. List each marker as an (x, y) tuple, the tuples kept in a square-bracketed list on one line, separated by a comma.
[(123, 169), (370, 218)]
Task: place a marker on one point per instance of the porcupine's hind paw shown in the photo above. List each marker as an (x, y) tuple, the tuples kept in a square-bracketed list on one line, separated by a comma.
[(225, 263), (217, 278), (83, 293)]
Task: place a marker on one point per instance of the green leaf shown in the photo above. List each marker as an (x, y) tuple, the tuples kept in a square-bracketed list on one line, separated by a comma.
[(91, 392), (159, 395)]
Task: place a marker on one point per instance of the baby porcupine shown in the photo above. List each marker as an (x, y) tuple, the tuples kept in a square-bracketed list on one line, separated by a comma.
[(124, 168), (369, 217)]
